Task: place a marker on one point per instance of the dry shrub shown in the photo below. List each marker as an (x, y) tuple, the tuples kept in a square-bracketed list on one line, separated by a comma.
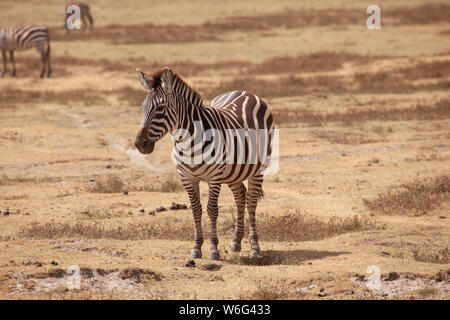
[(431, 254), (166, 183), (294, 226), (433, 155), (415, 198), (109, 184)]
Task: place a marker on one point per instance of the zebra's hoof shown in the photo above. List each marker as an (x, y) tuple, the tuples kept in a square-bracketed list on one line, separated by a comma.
[(235, 247), (255, 252), (214, 255), (196, 254)]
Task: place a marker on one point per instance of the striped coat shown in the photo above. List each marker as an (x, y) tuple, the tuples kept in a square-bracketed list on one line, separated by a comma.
[(173, 106), (17, 38)]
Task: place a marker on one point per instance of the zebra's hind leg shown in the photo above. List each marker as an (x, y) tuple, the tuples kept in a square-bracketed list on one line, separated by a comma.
[(254, 192), (11, 54), (193, 190), (239, 193), (213, 212)]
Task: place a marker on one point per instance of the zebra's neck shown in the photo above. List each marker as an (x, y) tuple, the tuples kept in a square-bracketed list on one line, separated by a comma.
[(189, 104)]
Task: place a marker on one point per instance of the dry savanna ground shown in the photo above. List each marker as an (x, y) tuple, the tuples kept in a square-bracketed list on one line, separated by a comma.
[(364, 173)]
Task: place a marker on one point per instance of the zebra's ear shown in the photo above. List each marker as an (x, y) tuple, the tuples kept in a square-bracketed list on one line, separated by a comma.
[(146, 81), (166, 79)]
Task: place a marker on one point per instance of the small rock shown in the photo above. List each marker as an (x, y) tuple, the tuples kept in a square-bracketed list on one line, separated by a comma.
[(54, 263), (159, 209), (322, 290), (151, 212), (351, 292), (322, 294), (385, 253), (442, 217), (125, 192), (190, 264), (309, 263), (142, 210), (108, 166)]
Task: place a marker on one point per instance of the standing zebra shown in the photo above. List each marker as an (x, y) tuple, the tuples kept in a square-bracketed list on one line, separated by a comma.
[(85, 12), (172, 105), (23, 38)]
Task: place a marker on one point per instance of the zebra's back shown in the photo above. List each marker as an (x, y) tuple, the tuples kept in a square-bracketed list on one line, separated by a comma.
[(240, 111), (26, 37)]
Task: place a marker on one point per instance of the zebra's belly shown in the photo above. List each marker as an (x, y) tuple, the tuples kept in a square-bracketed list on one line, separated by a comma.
[(223, 173)]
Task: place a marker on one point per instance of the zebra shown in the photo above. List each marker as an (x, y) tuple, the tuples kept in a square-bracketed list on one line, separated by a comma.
[(85, 13), (172, 105), (22, 38)]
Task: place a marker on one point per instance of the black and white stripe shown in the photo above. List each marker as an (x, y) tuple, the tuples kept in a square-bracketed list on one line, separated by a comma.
[(172, 105), (17, 38)]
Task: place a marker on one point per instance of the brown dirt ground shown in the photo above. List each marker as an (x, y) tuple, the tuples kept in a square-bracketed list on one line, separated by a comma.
[(360, 112)]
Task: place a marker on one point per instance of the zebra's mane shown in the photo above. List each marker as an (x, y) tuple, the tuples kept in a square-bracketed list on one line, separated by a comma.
[(181, 87)]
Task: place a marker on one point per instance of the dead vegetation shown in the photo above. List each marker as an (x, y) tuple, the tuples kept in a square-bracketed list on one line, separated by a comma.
[(439, 110), (11, 97), (431, 254), (109, 184), (290, 227), (400, 80), (416, 198), (217, 30)]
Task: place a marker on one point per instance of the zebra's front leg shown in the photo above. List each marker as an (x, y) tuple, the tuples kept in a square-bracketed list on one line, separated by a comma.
[(4, 59), (213, 212), (239, 193), (254, 192), (193, 190)]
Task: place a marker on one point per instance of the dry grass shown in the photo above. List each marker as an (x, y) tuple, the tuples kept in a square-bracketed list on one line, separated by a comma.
[(431, 254), (109, 184), (416, 198), (289, 227), (294, 226), (217, 30), (439, 110), (11, 96), (350, 138), (430, 155), (395, 81)]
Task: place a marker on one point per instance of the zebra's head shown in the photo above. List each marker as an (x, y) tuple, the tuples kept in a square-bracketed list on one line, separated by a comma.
[(158, 109)]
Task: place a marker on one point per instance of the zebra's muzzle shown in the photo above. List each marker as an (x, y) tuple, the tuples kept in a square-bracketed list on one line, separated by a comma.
[(143, 143), (145, 146)]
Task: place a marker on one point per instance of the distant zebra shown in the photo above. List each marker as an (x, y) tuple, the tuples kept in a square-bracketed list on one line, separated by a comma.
[(85, 13), (22, 38), (172, 105)]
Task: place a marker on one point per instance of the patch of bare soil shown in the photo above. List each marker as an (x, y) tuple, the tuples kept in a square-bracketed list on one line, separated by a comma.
[(129, 279), (408, 285)]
